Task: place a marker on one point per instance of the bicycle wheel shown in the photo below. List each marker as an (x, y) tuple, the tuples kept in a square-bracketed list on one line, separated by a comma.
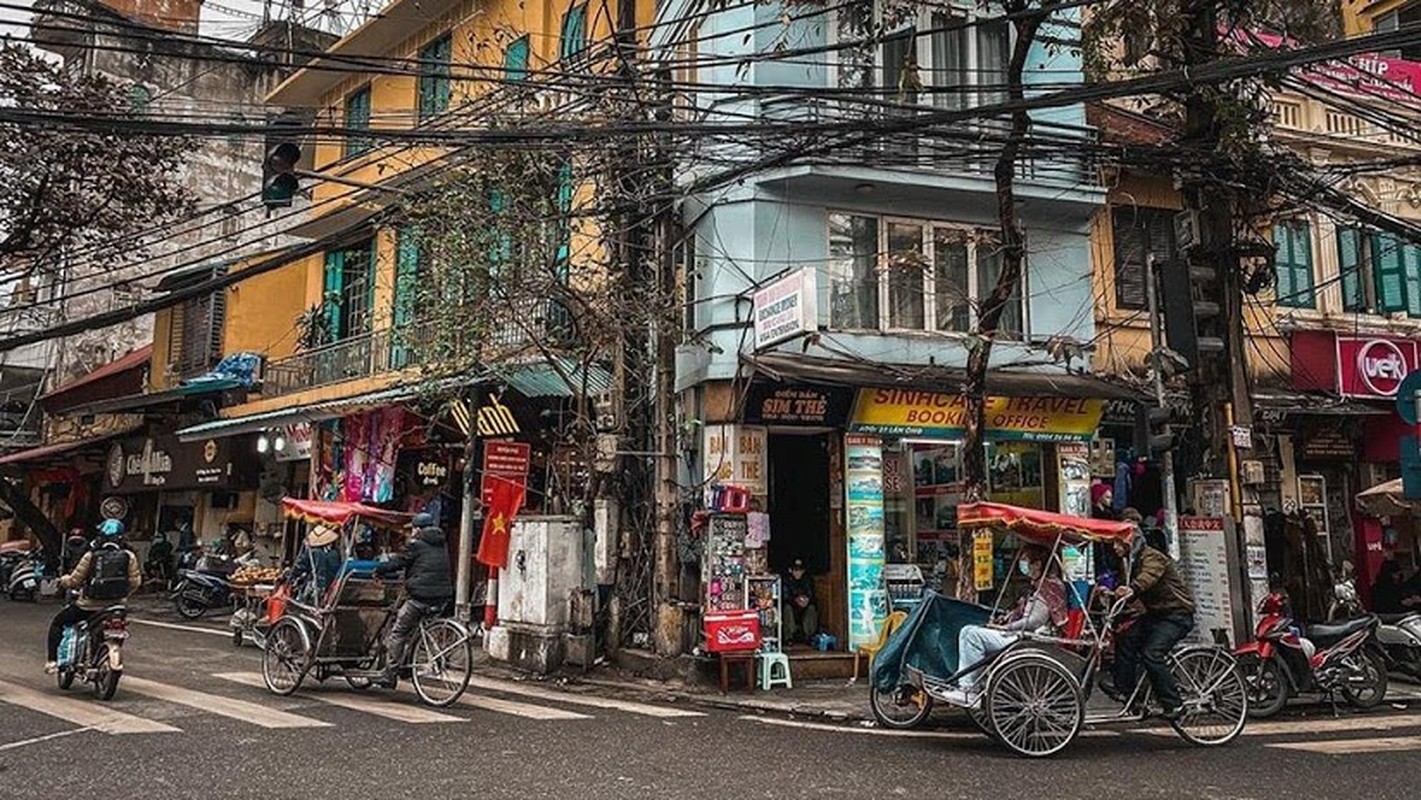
[(441, 663), (1215, 697), (286, 657), (901, 709), (1034, 705)]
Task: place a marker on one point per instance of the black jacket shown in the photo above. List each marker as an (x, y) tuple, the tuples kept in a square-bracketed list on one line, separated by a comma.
[(425, 563)]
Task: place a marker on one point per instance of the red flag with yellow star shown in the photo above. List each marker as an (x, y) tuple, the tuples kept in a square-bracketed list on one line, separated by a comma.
[(506, 497)]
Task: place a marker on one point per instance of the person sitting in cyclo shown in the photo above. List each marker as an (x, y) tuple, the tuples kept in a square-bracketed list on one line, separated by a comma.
[(1169, 617), (1044, 611)]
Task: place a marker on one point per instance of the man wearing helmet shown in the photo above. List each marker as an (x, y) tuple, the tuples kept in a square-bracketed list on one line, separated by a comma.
[(105, 575)]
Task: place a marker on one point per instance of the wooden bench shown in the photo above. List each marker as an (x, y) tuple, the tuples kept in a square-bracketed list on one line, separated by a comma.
[(742, 658)]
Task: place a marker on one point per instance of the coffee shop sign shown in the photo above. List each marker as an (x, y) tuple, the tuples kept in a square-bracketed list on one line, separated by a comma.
[(151, 464)]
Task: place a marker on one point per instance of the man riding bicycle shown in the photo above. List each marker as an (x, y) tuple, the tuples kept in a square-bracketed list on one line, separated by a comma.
[(425, 563), (1169, 617), (106, 575)]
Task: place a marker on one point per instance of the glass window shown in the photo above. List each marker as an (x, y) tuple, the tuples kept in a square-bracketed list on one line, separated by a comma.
[(357, 118), (900, 67), (515, 60), (434, 77), (853, 271), (951, 78), (1139, 232), (989, 271), (952, 290), (1293, 264), (993, 55), (574, 33), (906, 269)]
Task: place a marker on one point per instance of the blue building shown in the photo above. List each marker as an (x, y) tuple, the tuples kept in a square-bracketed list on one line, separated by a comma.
[(867, 215)]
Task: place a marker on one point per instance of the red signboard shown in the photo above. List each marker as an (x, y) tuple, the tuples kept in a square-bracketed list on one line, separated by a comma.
[(1368, 367), (504, 461)]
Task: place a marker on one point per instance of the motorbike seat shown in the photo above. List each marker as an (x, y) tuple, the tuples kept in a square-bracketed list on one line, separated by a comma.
[(1333, 631), (1397, 619)]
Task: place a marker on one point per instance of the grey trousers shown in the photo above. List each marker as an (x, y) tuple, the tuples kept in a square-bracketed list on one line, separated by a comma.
[(406, 620)]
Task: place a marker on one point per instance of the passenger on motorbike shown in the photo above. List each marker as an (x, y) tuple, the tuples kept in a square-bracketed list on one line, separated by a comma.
[(1044, 611), (98, 585), (425, 563), (1169, 616)]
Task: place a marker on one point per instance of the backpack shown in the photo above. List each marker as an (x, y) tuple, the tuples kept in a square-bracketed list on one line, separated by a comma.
[(108, 574)]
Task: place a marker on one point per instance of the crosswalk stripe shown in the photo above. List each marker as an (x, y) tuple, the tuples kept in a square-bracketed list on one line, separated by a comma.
[(1338, 747), (227, 634), (516, 709), (86, 713), (644, 709), (379, 708), (222, 706), (1338, 725)]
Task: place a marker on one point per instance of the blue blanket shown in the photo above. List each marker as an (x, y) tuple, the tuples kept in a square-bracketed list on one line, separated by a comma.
[(927, 640)]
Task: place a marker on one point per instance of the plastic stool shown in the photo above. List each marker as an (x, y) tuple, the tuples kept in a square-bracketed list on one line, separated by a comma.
[(768, 663)]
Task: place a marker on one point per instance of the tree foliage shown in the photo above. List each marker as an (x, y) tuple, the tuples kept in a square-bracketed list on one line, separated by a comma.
[(69, 188)]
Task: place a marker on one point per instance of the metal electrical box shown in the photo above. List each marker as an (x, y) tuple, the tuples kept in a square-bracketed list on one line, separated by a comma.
[(546, 561)]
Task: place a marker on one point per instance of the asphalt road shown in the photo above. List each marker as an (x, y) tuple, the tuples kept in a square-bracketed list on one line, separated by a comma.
[(187, 723)]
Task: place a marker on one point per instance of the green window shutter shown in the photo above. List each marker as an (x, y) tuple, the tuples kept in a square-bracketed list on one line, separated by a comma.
[(1412, 267), (1349, 265), (1283, 289), (574, 32), (434, 77), (1294, 264), (333, 286), (515, 60), (357, 118), (406, 275), (1388, 268)]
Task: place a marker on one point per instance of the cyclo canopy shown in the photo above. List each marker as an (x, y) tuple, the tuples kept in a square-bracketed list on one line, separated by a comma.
[(315, 512), (1041, 527)]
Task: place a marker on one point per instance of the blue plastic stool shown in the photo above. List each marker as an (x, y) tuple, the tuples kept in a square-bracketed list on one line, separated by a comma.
[(768, 678)]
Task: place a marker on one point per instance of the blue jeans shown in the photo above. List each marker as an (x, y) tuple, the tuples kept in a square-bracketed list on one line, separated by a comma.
[(1148, 642), (974, 643)]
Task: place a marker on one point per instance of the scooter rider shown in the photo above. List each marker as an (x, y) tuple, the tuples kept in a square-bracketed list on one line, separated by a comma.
[(101, 580), (425, 563), (1169, 617)]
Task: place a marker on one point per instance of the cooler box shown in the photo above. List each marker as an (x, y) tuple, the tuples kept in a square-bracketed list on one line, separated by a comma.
[(729, 631)]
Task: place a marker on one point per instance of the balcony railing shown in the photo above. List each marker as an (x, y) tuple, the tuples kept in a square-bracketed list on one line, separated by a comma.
[(531, 324)]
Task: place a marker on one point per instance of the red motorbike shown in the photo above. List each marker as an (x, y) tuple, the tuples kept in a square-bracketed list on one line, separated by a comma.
[(1338, 658)]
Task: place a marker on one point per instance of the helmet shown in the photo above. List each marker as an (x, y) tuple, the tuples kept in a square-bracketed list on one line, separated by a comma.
[(423, 521), (111, 528)]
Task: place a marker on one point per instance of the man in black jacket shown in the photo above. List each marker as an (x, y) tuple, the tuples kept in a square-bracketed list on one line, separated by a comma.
[(425, 563)]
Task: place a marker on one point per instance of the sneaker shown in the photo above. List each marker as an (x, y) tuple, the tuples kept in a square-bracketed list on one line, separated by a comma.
[(51, 667), (387, 683), (1173, 714), (963, 698)]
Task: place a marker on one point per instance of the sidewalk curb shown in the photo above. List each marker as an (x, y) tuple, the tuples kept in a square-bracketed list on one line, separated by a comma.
[(728, 702)]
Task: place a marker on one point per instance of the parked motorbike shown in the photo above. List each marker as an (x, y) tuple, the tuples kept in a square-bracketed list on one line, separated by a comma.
[(24, 579), (1337, 658), (202, 589), (1400, 637), (9, 562), (1345, 603), (93, 651)]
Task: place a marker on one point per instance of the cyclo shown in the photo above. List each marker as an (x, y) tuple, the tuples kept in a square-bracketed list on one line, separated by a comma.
[(342, 632), (1036, 690)]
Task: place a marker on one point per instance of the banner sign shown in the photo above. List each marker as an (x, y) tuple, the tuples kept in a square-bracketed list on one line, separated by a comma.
[(786, 308), (797, 404), (504, 461), (904, 412), (162, 462), (868, 596)]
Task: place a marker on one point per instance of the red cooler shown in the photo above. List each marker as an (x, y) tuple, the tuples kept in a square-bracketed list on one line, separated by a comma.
[(729, 631)]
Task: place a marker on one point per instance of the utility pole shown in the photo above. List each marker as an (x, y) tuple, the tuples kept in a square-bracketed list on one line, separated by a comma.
[(463, 571), (1171, 502)]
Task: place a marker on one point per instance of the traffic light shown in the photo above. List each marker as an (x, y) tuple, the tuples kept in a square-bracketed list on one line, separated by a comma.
[(1189, 293), (1152, 431), (283, 153)]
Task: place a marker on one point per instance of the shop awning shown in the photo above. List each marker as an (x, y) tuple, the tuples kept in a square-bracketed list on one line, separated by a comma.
[(1041, 527), (561, 377), (335, 513), (928, 377), (143, 400), (50, 452), (1289, 402), (1388, 500)]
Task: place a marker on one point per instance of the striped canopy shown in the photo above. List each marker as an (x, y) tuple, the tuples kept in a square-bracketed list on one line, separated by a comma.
[(1041, 527)]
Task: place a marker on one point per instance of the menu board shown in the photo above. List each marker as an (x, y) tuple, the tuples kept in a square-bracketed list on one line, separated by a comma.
[(863, 490), (1208, 562), (723, 563)]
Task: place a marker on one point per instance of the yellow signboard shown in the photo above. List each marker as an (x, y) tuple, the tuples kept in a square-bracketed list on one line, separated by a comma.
[(904, 412), (982, 560)]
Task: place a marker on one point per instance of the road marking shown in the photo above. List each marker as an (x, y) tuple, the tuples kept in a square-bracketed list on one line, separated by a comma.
[(644, 709), (174, 626), (380, 708), (229, 707), (1339, 747), (80, 712), (1311, 726), (475, 701), (45, 738), (827, 726)]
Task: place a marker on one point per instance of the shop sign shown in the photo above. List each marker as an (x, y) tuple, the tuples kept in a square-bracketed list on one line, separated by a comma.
[(904, 412), (982, 567), (1328, 445), (868, 597), (786, 308), (431, 472), (114, 507), (503, 461), (165, 463), (734, 455), (797, 404), (298, 442), (1373, 367), (1208, 562)]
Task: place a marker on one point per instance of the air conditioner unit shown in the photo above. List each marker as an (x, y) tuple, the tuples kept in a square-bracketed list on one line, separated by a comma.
[(1251, 473)]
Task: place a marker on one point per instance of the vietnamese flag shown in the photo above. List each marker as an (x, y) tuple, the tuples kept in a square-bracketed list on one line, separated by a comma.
[(506, 497)]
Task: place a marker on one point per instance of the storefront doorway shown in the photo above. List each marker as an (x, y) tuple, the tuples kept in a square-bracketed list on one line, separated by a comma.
[(799, 501)]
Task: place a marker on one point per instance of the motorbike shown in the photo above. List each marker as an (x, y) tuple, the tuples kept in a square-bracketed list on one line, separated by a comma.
[(1345, 603), (24, 579), (204, 588), (1400, 637), (1337, 658), (93, 651), (9, 562)]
